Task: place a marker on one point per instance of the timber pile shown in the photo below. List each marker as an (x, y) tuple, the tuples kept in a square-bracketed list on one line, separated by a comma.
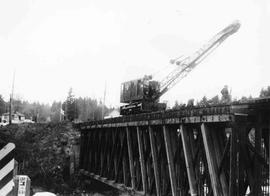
[(43, 152)]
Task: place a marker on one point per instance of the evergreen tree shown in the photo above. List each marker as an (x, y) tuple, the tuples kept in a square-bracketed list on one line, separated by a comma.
[(265, 92), (70, 106), (214, 101), (55, 111), (203, 102), (2, 105), (190, 103)]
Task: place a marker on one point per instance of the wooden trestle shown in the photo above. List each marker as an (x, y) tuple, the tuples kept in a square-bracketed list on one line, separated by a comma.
[(218, 150)]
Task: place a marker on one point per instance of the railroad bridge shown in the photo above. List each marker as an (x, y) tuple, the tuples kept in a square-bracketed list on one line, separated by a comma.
[(217, 150)]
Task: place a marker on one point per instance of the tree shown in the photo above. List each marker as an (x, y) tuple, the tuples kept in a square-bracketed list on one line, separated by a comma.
[(265, 92), (2, 105), (190, 103), (245, 99), (70, 106), (203, 102), (55, 111), (214, 101), (90, 109), (176, 106)]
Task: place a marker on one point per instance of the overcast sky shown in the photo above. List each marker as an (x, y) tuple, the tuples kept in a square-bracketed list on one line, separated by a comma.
[(57, 44)]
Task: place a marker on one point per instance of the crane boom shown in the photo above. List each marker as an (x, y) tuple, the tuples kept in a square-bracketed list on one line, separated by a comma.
[(190, 62), (142, 95)]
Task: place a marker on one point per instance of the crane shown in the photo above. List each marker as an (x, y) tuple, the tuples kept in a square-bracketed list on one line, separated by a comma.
[(142, 95)]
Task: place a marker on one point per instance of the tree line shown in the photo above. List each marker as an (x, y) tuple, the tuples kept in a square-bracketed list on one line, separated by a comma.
[(86, 108), (79, 109), (225, 98)]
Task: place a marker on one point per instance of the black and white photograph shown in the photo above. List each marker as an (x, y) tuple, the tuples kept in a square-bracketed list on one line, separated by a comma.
[(134, 98)]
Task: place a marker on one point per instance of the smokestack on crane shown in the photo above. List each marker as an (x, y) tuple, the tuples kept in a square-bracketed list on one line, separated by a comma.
[(142, 95)]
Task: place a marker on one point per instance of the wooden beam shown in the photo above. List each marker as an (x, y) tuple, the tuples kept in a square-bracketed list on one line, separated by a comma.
[(90, 152), (211, 160), (150, 180), (116, 143), (168, 147), (97, 152), (113, 158), (257, 164), (233, 161), (225, 152), (109, 149), (102, 151), (155, 161), (218, 155), (120, 157), (130, 155), (189, 160), (248, 165), (124, 169), (106, 153), (142, 161), (94, 145), (87, 151), (245, 164), (82, 149)]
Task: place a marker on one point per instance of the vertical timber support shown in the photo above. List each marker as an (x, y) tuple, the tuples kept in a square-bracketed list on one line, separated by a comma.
[(82, 147), (185, 135), (124, 170), (102, 150), (258, 148), (233, 161), (245, 162), (218, 155), (211, 161), (142, 161), (130, 155), (155, 162), (89, 168), (87, 151), (124, 162), (167, 139)]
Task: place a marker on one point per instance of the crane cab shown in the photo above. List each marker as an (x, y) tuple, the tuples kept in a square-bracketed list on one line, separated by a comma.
[(140, 95), (140, 89)]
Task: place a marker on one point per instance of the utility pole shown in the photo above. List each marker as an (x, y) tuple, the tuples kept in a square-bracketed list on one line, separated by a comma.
[(11, 99), (10, 109), (103, 105)]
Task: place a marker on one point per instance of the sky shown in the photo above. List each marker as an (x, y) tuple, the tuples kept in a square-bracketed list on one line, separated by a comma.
[(54, 45)]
